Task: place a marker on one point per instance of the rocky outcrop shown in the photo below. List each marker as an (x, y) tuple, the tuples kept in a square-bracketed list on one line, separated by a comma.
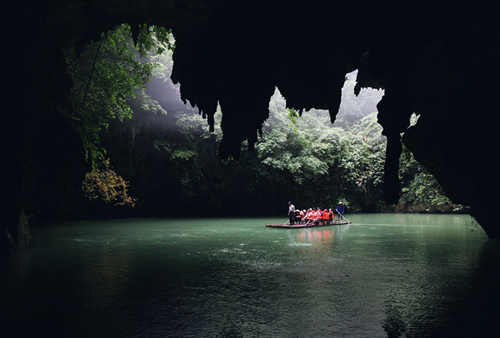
[(20, 239), (441, 63)]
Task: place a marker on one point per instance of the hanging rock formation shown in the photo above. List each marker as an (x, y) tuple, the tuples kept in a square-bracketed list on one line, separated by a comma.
[(440, 63)]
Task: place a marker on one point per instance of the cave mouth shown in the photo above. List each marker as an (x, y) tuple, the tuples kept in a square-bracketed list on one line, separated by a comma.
[(441, 64)]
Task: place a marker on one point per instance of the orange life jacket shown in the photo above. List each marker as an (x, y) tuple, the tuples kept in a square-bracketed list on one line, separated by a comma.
[(326, 215)]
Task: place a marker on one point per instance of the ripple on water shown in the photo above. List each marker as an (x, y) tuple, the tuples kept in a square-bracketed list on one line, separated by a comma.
[(263, 265)]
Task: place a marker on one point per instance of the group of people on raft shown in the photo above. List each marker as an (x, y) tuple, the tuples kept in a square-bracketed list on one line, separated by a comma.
[(314, 214)]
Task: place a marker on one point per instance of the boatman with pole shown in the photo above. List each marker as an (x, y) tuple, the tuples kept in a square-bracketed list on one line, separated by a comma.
[(291, 212), (340, 210)]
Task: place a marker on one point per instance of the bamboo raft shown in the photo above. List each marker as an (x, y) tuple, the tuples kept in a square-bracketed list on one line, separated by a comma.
[(306, 225)]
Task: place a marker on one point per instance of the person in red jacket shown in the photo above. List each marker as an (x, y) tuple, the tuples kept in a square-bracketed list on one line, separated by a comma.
[(308, 216), (326, 216), (314, 215)]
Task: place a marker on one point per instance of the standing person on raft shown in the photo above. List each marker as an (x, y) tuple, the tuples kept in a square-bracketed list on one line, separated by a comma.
[(340, 209), (291, 212)]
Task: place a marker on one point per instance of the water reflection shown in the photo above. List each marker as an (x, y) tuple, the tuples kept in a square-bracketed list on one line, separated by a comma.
[(448, 299), (105, 275), (324, 236)]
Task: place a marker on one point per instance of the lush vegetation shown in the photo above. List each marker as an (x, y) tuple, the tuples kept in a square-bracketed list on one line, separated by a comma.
[(105, 75), (104, 184), (307, 159), (171, 159)]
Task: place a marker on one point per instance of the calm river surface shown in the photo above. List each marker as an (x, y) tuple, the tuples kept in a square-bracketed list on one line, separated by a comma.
[(385, 275)]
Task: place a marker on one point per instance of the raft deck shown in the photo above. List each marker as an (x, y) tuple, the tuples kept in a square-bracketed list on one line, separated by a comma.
[(305, 225)]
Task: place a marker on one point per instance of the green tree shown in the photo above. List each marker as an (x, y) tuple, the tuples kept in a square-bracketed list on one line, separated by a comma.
[(105, 75), (421, 191)]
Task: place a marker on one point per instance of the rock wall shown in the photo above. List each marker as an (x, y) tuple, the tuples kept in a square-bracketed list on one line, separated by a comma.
[(42, 157)]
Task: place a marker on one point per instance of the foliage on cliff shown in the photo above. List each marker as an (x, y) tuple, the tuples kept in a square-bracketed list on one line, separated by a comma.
[(105, 75), (420, 191), (104, 184)]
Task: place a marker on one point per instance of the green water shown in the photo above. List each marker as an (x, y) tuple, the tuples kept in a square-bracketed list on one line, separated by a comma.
[(382, 276)]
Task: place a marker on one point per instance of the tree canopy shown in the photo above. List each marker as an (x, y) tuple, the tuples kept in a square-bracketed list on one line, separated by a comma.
[(304, 158), (106, 74)]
